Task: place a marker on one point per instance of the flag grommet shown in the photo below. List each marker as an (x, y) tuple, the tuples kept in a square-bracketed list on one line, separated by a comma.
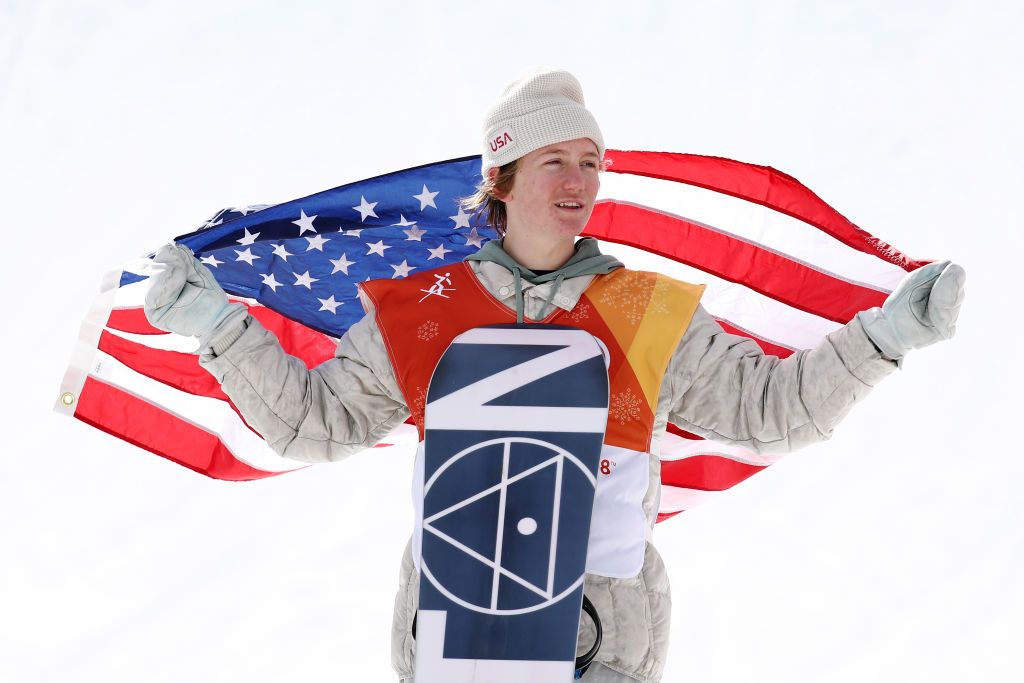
[(67, 399)]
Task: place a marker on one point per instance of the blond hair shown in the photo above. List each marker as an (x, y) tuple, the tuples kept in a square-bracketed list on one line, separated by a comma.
[(484, 202)]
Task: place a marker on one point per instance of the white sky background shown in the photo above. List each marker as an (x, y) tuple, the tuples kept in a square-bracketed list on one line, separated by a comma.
[(895, 552)]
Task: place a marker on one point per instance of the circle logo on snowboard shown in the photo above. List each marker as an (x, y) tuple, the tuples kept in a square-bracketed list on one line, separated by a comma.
[(492, 517)]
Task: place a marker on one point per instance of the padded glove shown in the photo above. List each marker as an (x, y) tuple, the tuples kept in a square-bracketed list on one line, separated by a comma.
[(184, 298), (921, 311)]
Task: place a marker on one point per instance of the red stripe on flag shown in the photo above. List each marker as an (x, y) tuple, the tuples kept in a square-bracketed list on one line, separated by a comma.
[(672, 429), (138, 422), (733, 259), (662, 516), (131, 320), (173, 368), (298, 340), (759, 184), (768, 347), (706, 472)]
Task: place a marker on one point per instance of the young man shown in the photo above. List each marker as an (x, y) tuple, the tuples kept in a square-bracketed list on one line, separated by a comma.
[(542, 159)]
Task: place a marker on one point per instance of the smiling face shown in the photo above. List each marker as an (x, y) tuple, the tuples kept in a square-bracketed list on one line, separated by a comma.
[(554, 189)]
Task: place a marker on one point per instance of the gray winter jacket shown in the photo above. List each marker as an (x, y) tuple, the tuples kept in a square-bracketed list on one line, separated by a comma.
[(717, 385)]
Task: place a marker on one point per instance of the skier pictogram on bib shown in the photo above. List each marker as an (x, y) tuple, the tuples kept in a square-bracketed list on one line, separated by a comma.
[(439, 287)]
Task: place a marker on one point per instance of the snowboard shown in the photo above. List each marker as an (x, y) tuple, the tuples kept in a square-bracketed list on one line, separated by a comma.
[(514, 422)]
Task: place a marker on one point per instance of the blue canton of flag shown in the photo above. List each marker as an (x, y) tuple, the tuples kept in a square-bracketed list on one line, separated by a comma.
[(304, 258)]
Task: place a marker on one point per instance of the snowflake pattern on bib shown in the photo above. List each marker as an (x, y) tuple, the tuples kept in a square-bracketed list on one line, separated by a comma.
[(427, 330), (624, 407), (580, 313), (630, 294)]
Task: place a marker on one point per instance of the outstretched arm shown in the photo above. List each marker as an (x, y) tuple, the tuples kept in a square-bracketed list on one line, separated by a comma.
[(342, 406), (724, 387)]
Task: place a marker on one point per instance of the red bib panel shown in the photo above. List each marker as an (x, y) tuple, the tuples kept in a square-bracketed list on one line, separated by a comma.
[(640, 317)]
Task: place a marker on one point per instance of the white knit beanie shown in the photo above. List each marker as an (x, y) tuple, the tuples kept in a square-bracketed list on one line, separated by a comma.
[(542, 107)]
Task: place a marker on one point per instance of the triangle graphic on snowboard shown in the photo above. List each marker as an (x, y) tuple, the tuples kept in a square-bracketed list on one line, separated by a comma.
[(526, 541), (471, 525), (530, 499)]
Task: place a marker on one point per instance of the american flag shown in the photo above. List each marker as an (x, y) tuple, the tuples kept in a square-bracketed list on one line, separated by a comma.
[(781, 267)]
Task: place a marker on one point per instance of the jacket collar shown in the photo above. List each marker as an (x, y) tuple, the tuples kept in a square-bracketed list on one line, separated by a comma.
[(506, 279)]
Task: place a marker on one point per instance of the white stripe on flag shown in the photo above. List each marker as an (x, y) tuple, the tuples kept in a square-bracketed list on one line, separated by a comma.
[(677, 448), (211, 414), (754, 223), (162, 342), (133, 295)]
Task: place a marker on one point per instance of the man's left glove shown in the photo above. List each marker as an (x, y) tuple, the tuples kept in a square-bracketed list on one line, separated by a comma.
[(922, 310), (184, 298)]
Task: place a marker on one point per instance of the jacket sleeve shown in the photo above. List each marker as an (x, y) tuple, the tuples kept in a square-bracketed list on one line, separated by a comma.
[(342, 406), (724, 387)]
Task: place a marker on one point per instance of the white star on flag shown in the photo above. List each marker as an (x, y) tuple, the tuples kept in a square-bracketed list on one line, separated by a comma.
[(279, 250), (246, 256), (355, 232), (330, 304), (305, 222), (377, 248), (271, 281), (461, 219), (244, 210), (316, 242), (402, 269), (211, 261), (305, 280), (438, 253), (365, 208), (415, 233), (426, 198), (475, 239), (341, 264), (403, 223), (248, 238)]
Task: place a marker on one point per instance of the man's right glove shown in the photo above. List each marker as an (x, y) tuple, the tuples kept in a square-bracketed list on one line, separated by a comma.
[(184, 298), (921, 311)]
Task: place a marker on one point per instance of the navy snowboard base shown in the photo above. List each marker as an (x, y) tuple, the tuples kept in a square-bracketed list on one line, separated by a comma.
[(515, 420)]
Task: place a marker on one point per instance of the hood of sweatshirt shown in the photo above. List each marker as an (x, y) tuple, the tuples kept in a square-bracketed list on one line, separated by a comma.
[(587, 259)]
